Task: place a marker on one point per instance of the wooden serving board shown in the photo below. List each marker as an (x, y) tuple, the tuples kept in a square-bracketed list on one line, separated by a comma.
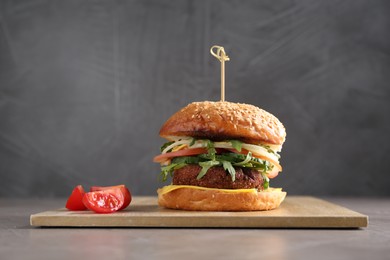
[(295, 212)]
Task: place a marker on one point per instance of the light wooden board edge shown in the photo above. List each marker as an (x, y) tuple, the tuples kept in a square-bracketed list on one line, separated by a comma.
[(174, 218)]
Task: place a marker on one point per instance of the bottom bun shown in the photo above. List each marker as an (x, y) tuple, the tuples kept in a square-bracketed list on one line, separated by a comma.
[(206, 199)]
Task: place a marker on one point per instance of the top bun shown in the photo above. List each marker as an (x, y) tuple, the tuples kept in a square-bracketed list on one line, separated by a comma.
[(223, 121)]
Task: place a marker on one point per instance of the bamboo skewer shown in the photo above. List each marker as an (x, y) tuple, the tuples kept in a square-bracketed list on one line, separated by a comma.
[(220, 54)]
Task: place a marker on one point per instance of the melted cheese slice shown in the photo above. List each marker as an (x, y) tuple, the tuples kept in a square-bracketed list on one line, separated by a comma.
[(170, 188)]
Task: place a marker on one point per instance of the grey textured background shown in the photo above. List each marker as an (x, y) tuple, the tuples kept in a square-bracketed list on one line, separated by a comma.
[(86, 85)]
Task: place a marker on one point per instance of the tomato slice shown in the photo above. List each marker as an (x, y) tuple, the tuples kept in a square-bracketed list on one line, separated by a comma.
[(104, 201), (75, 200), (125, 191), (186, 152)]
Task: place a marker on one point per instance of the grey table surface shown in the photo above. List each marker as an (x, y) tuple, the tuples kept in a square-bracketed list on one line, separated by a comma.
[(18, 240)]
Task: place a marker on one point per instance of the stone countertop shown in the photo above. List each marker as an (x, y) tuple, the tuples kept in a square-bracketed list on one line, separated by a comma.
[(18, 240)]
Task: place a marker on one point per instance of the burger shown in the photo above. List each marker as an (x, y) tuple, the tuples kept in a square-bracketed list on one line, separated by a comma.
[(220, 156)]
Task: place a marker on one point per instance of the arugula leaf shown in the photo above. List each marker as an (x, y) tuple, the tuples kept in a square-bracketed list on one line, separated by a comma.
[(168, 170), (211, 150), (192, 142), (236, 144), (246, 161), (270, 150), (186, 160), (166, 145), (230, 157), (266, 180), (229, 167), (205, 167)]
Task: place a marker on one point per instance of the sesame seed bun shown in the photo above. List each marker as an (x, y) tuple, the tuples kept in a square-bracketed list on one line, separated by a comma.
[(223, 121)]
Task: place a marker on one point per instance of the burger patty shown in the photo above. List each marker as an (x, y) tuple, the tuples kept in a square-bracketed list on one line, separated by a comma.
[(217, 177)]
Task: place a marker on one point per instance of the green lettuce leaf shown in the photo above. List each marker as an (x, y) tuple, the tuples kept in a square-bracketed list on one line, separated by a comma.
[(236, 144), (168, 170), (166, 145), (205, 167), (229, 167)]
